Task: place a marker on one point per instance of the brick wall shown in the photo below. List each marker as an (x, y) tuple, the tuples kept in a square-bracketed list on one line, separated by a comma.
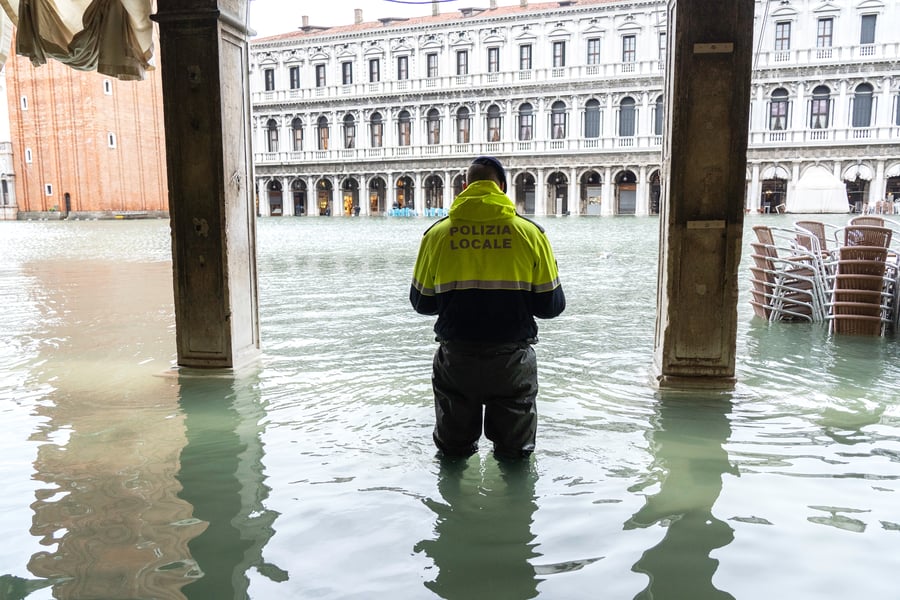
[(94, 137)]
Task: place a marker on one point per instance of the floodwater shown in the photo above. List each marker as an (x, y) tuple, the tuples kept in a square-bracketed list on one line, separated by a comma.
[(312, 475)]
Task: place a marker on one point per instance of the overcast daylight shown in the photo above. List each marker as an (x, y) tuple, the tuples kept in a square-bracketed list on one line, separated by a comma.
[(449, 299)]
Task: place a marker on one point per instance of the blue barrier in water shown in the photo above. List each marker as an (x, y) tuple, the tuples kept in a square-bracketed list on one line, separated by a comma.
[(408, 212)]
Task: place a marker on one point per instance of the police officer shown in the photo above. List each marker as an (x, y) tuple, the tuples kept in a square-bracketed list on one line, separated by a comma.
[(486, 273)]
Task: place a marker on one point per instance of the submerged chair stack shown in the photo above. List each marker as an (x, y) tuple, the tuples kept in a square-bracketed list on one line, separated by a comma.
[(864, 282), (788, 278)]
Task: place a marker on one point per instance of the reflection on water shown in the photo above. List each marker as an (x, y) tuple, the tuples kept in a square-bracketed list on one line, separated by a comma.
[(483, 524), (313, 475), (106, 511), (222, 478), (689, 461)]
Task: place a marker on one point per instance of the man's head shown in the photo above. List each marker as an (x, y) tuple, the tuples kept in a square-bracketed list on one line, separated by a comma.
[(487, 168)]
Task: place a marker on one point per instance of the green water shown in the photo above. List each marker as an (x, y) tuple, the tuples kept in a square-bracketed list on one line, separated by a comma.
[(312, 475)]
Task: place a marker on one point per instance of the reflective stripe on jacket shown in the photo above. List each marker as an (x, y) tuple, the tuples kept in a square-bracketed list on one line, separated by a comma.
[(485, 271)]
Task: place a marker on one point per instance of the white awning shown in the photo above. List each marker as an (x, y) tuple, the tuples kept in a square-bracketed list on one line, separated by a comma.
[(113, 37), (854, 171), (893, 171), (775, 172)]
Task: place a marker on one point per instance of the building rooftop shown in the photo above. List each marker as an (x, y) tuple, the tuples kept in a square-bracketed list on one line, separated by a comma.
[(311, 30)]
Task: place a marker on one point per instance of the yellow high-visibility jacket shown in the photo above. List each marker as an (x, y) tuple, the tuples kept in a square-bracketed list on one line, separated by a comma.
[(486, 271)]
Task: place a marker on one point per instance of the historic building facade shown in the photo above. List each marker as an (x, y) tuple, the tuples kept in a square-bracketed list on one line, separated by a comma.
[(385, 115), (83, 145)]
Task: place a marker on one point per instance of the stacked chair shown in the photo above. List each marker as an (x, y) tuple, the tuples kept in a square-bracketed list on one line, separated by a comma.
[(788, 277), (863, 282)]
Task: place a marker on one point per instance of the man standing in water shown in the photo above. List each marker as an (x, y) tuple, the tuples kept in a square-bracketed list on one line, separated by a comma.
[(486, 273)]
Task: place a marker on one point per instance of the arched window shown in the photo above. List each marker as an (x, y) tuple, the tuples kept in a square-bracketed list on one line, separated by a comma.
[(322, 130), (820, 107), (376, 128), (434, 192), (297, 138), (493, 123), (349, 131), (526, 122), (272, 136), (862, 106), (592, 119), (558, 120), (433, 121), (658, 114), (463, 125), (404, 128), (627, 117), (778, 110)]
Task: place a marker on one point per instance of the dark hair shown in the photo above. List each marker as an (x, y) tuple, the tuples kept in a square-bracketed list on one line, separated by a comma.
[(496, 165)]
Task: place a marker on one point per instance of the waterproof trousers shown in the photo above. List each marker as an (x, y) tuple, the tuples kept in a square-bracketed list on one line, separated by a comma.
[(491, 384)]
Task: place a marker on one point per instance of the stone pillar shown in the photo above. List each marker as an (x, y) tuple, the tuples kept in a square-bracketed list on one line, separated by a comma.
[(509, 134), (607, 202), (206, 94), (263, 208), (287, 197), (752, 200), (877, 185), (840, 104), (791, 189), (644, 129), (884, 110), (478, 127), (313, 199), (574, 200), (609, 121), (702, 217), (642, 202), (337, 195), (448, 190), (798, 114), (540, 194), (540, 127), (419, 192)]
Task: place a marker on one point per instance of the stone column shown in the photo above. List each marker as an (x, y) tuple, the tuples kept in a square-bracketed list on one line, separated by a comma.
[(574, 200), (642, 201), (312, 196), (263, 198), (758, 108), (541, 125), (607, 202), (884, 110), (645, 128), (792, 183), (841, 106), (540, 194), (609, 121), (509, 133), (478, 127), (798, 114), (206, 95), (448, 190), (419, 191), (877, 185), (287, 197), (337, 195), (752, 200), (702, 217)]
